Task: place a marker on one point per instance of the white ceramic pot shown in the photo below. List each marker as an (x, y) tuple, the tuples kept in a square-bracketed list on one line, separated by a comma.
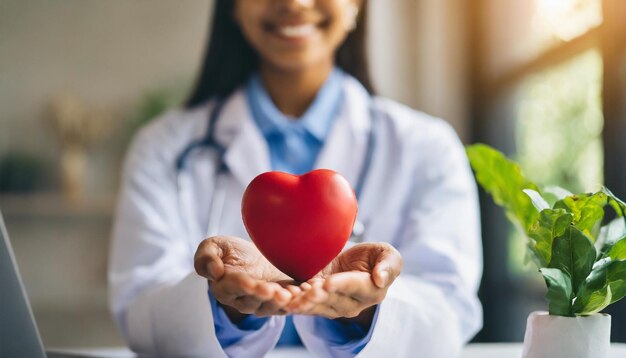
[(567, 337)]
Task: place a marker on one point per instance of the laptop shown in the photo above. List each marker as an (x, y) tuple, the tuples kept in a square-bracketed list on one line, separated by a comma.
[(19, 336)]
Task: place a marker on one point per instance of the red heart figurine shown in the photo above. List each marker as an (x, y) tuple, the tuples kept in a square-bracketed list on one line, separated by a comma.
[(300, 223)]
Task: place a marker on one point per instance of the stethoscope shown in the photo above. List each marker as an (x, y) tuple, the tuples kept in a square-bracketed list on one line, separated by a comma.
[(217, 203)]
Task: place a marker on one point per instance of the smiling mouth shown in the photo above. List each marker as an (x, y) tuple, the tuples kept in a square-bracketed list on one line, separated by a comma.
[(296, 31)]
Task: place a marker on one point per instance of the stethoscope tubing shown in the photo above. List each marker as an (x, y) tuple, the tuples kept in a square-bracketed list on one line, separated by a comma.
[(219, 194)]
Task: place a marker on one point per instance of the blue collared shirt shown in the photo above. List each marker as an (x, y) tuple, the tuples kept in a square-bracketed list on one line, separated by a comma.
[(294, 145)]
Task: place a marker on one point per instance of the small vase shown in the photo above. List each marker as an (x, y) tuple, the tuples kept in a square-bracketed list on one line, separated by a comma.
[(73, 165), (567, 337)]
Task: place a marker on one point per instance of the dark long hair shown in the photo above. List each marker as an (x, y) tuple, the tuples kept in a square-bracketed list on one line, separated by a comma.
[(229, 60)]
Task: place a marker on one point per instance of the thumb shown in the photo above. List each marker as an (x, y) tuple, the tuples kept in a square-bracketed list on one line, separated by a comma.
[(208, 259), (388, 266)]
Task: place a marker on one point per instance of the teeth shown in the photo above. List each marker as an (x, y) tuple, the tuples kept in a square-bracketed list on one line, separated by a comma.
[(296, 31)]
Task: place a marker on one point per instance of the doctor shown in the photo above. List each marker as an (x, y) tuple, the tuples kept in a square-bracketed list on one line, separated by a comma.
[(284, 86)]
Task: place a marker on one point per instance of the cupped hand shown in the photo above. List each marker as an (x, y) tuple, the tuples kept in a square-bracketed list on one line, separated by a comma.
[(241, 278), (351, 285)]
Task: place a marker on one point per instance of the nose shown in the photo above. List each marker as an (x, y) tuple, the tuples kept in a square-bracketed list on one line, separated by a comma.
[(298, 4), (303, 3)]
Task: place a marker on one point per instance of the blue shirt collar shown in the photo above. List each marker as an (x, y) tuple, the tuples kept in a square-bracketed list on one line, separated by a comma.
[(318, 118)]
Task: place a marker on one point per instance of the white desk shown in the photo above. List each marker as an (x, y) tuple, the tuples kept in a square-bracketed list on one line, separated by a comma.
[(480, 350), (514, 350)]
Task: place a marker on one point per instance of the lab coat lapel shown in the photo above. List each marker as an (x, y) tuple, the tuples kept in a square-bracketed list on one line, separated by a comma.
[(247, 154), (345, 147)]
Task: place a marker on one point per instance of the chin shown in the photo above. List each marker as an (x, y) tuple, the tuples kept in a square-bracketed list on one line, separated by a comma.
[(295, 62)]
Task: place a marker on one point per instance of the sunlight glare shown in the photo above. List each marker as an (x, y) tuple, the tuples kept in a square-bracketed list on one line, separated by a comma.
[(568, 19)]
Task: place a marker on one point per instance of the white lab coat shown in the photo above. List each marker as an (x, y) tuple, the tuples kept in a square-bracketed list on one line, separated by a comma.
[(419, 196)]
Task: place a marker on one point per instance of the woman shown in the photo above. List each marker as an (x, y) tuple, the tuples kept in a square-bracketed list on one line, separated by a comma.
[(284, 86)]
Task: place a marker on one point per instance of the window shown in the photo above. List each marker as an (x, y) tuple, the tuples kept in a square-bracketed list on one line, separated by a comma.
[(559, 124), (549, 91)]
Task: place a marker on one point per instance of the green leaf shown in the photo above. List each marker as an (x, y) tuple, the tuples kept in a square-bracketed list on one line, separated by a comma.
[(596, 281), (561, 238), (538, 201), (573, 253), (559, 291), (616, 203), (554, 193), (587, 209), (609, 235), (616, 278), (503, 179), (550, 224), (618, 251), (596, 302), (608, 277)]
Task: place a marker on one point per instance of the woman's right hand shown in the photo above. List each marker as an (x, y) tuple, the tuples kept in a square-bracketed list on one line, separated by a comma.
[(242, 279)]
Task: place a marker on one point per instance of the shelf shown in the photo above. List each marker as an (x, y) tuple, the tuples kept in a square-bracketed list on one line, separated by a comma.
[(54, 205)]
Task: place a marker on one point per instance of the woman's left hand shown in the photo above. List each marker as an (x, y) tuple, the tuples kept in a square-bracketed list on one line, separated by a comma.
[(351, 285)]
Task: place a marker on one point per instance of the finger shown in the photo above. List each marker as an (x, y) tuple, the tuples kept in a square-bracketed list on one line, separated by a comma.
[(233, 285), (315, 280), (239, 290), (355, 284), (285, 283), (282, 296), (380, 274), (314, 297), (388, 266), (248, 295), (264, 290), (248, 304), (334, 306), (317, 293), (308, 299), (208, 260), (344, 306), (294, 290), (274, 306), (269, 308)]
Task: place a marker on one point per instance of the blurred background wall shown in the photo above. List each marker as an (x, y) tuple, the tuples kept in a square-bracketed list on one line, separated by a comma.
[(114, 64), (110, 55), (543, 80)]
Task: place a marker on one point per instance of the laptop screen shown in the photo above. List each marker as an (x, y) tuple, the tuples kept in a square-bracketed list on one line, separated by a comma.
[(18, 332)]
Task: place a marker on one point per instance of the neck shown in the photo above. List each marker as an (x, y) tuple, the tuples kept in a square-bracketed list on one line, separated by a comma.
[(293, 91)]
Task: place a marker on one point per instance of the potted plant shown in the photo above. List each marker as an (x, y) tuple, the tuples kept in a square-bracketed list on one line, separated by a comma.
[(578, 248)]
